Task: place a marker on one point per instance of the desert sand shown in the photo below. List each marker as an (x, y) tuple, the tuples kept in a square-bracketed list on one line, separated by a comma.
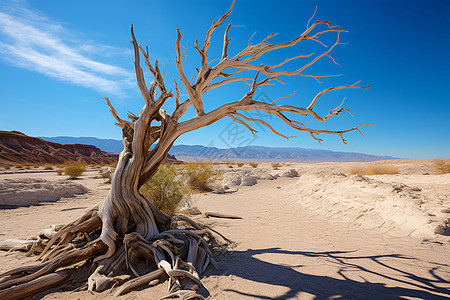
[(321, 235)]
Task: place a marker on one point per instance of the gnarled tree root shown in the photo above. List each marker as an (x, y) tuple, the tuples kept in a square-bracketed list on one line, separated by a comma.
[(179, 254), (72, 257)]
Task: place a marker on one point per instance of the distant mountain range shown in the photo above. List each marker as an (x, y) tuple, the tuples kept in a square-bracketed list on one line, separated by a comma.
[(18, 148), (262, 153), (250, 153), (108, 145)]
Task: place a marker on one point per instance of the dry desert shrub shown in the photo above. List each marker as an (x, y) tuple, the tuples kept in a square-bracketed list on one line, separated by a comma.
[(6, 167), (199, 176), (440, 166), (59, 171), (356, 170), (377, 169), (240, 164), (253, 165), (165, 189), (74, 169), (48, 167), (275, 166), (381, 169)]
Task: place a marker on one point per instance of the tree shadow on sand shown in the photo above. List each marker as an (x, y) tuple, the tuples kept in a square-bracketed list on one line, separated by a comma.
[(244, 264)]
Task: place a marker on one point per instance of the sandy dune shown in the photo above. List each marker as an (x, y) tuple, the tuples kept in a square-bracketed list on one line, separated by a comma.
[(318, 236)]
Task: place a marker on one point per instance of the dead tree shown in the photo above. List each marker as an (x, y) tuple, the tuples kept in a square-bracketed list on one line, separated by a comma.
[(126, 228)]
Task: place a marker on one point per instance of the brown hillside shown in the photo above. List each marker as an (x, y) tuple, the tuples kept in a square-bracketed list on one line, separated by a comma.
[(18, 148)]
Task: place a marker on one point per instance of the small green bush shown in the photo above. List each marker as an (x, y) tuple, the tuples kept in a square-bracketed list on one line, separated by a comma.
[(199, 176), (440, 166), (240, 164), (74, 170), (165, 189), (253, 165)]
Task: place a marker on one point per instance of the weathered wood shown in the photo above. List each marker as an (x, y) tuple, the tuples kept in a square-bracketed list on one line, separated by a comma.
[(219, 215), (16, 244), (35, 286), (141, 280)]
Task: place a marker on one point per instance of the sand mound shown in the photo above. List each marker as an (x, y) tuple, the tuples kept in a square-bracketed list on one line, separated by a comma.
[(32, 191), (395, 208)]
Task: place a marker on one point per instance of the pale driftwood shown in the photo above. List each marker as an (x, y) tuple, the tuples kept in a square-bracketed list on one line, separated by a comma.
[(219, 215), (126, 228), (16, 244), (141, 280)]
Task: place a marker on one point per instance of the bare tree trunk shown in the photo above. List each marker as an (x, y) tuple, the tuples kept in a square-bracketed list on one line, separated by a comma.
[(125, 210)]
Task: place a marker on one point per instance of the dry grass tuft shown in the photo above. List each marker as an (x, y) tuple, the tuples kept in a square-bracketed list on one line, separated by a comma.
[(440, 166), (377, 169), (275, 166), (357, 170), (240, 164), (74, 169), (199, 176), (253, 165), (48, 167)]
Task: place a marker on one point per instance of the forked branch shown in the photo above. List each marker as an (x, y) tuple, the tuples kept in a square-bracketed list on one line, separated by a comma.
[(244, 61)]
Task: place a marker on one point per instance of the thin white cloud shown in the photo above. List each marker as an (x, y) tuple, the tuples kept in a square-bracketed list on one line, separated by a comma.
[(31, 41)]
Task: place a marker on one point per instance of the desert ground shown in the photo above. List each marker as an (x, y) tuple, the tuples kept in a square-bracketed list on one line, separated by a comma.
[(318, 234)]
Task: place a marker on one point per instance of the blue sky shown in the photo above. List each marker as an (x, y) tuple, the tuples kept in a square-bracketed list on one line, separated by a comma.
[(57, 58)]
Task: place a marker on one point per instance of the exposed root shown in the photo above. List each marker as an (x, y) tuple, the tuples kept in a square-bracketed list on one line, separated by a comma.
[(141, 280), (72, 257), (180, 254), (85, 225), (35, 286)]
